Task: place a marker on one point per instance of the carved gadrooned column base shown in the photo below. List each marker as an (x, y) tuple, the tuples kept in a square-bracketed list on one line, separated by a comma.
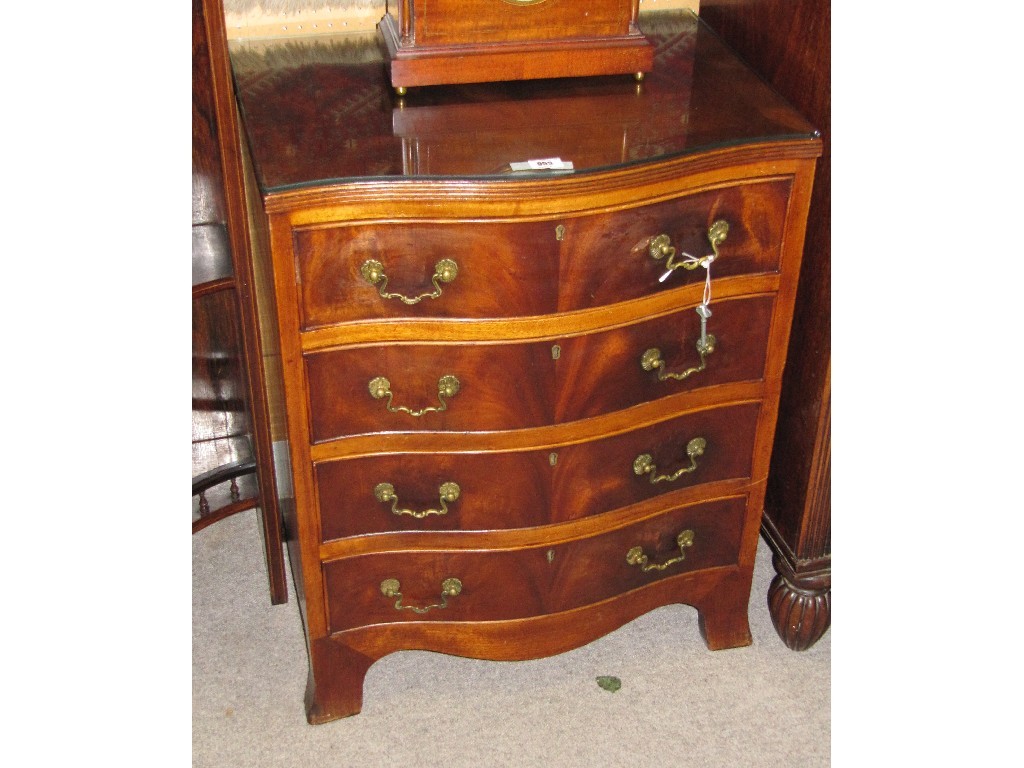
[(800, 605)]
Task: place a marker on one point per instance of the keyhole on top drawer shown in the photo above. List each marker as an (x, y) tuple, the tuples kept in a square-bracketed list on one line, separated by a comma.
[(556, 352), (551, 555), (560, 232)]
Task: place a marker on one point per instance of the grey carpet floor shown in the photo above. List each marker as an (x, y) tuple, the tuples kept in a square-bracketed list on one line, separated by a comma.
[(679, 704)]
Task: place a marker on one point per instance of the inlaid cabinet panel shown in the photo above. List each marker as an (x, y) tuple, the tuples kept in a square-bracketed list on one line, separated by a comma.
[(442, 491), (611, 370), (450, 22), (428, 269), (485, 387), (608, 258), (685, 452)]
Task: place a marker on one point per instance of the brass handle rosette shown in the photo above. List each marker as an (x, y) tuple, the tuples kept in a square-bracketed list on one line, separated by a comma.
[(644, 463), (660, 247), (447, 387), (448, 492), (451, 587), (636, 556), (445, 271)]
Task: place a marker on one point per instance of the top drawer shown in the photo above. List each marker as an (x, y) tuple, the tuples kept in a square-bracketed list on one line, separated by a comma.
[(495, 269)]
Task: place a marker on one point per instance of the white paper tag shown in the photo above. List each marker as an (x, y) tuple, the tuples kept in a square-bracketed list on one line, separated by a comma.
[(547, 164)]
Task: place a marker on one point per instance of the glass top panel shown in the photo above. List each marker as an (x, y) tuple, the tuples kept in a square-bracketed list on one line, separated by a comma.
[(320, 109)]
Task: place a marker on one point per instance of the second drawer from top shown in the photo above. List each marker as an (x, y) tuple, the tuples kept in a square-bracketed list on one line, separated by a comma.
[(517, 385)]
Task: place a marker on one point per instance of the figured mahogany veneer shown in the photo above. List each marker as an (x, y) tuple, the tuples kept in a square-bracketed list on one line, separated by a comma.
[(521, 268), (557, 429), (557, 380), (547, 488), (563, 573)]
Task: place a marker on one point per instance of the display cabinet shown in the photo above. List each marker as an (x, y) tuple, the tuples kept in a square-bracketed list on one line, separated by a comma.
[(232, 455)]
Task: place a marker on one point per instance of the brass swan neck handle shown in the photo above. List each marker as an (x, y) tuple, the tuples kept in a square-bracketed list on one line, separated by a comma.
[(644, 463), (445, 271), (450, 587), (447, 387), (448, 492), (635, 556)]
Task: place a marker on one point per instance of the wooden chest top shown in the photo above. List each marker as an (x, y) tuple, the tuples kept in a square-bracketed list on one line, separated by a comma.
[(321, 110)]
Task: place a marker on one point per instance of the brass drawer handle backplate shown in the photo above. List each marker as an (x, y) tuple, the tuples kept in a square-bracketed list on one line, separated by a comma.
[(651, 360), (445, 271), (392, 588), (636, 555), (660, 247), (385, 492), (644, 463), (447, 387)]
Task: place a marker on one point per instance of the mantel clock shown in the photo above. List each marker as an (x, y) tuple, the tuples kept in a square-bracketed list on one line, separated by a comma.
[(470, 41)]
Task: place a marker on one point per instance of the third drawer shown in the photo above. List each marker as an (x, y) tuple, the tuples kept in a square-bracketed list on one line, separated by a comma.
[(471, 491)]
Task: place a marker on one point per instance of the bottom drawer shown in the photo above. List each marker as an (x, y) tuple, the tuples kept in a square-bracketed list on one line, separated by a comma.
[(513, 583)]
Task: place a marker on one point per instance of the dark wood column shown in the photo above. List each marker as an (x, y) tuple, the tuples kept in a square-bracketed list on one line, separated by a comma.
[(788, 43)]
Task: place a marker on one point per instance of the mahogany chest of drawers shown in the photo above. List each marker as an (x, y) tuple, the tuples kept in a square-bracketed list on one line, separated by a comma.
[(522, 408)]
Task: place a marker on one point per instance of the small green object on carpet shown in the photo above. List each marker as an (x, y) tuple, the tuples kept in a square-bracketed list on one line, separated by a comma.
[(609, 683)]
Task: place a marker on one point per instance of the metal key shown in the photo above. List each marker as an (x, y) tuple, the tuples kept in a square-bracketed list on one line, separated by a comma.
[(705, 312)]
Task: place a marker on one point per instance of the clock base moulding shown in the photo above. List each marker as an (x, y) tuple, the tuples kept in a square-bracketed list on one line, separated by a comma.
[(477, 41)]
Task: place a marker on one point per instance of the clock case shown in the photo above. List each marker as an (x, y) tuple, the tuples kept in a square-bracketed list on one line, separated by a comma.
[(436, 42)]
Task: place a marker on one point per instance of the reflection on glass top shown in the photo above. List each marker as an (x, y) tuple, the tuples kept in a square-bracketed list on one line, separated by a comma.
[(320, 109)]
